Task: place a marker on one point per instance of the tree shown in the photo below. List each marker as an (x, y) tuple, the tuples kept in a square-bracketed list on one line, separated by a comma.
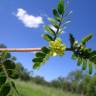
[(22, 72), (83, 86), (75, 78), (39, 80), (61, 83), (91, 87), (75, 75)]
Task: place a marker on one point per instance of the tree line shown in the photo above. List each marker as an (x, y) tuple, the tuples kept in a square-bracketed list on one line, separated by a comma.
[(76, 82)]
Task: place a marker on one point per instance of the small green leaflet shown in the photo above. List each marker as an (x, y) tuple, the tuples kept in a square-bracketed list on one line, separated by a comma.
[(61, 7), (47, 37), (41, 57), (56, 15), (37, 59), (84, 66), (50, 30), (72, 40), (45, 50), (40, 54), (90, 68), (86, 39)]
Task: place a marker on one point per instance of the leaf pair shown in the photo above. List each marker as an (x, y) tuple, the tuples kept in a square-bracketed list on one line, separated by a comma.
[(41, 57), (5, 89), (10, 68)]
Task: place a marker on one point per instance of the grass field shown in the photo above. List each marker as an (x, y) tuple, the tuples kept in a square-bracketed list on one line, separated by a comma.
[(31, 89)]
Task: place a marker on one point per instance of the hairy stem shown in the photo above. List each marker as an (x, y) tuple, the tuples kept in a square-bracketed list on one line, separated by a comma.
[(20, 49), (26, 49)]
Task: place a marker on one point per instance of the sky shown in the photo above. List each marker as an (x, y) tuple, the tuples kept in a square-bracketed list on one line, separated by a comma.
[(22, 24)]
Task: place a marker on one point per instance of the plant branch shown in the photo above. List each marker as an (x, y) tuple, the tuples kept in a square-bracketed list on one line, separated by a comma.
[(26, 49), (20, 49)]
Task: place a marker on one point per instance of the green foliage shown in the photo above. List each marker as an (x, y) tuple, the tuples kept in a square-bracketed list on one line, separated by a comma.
[(79, 62), (93, 56), (85, 56), (41, 57), (47, 37), (14, 86), (40, 54), (7, 73), (22, 73), (39, 80), (5, 89), (56, 15), (56, 46), (84, 65), (45, 50), (61, 7), (76, 82), (72, 40), (48, 29), (31, 89), (90, 68), (2, 80), (86, 39), (91, 87), (9, 64)]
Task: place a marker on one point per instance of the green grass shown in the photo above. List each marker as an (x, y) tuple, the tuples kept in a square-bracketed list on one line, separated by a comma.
[(31, 89)]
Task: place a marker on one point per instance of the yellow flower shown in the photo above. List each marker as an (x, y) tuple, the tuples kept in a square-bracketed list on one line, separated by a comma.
[(57, 47)]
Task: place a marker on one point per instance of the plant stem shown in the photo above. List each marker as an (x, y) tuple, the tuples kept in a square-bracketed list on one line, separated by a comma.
[(20, 49), (60, 22), (26, 49)]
